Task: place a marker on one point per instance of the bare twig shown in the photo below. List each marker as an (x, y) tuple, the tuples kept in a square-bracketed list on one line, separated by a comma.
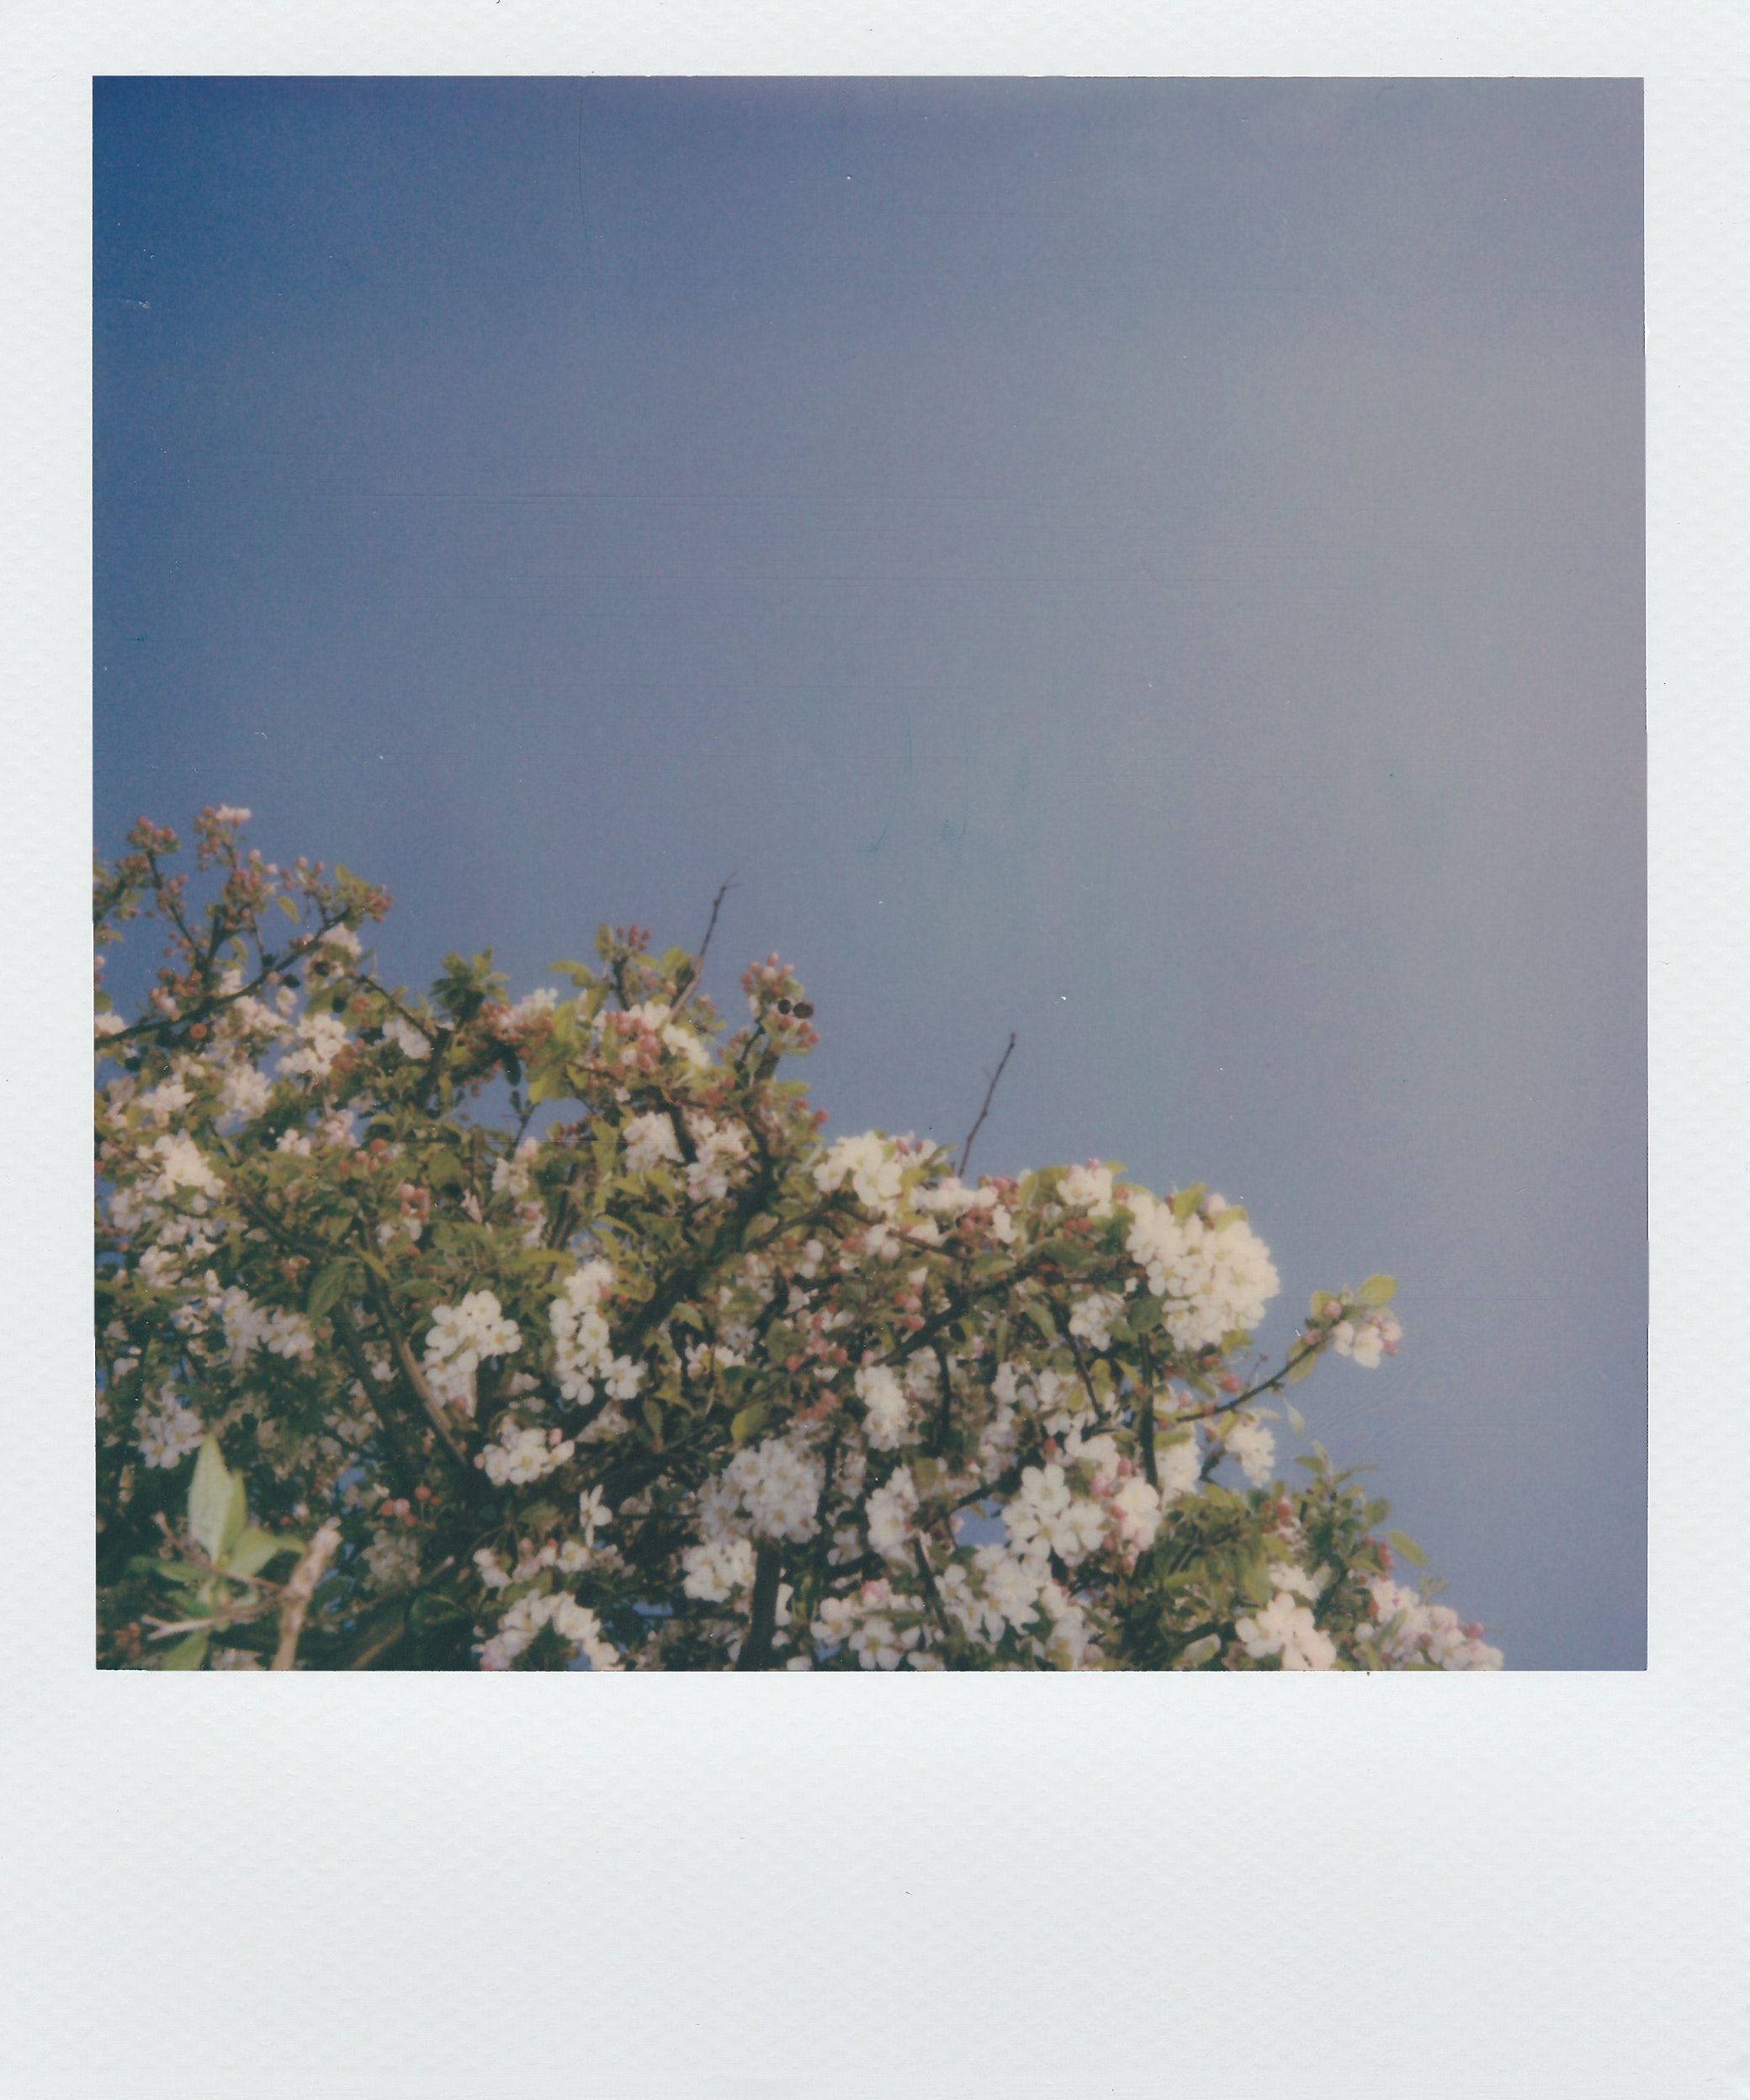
[(966, 1150), (294, 1601), (698, 961)]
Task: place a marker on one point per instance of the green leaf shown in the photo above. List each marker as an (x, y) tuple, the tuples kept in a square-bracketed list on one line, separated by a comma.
[(1144, 1314), (187, 1655), (330, 1283), (1254, 1583), (1378, 1291), (750, 1422), (1041, 1317), (1302, 1367), (1296, 1421), (1402, 1543), (236, 1516), (210, 1499), (255, 1549), (1199, 1653), (653, 1420), (184, 1571), (1187, 1200)]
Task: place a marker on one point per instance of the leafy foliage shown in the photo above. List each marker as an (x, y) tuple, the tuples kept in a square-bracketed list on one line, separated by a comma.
[(565, 1325)]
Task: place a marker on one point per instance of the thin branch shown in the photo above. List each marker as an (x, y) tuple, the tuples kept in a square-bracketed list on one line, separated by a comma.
[(698, 961), (960, 1301), (1006, 1483), (1271, 1384), (367, 1655), (211, 1003), (163, 1628), (1145, 1417), (403, 1459), (930, 1589), (1226, 1405), (966, 1150), (413, 1375), (1081, 1361), (299, 1591)]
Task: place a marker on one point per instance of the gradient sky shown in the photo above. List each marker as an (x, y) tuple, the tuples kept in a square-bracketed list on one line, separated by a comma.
[(1154, 565)]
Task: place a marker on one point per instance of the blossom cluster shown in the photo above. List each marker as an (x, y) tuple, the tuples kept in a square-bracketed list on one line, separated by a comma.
[(462, 1338), (640, 1373)]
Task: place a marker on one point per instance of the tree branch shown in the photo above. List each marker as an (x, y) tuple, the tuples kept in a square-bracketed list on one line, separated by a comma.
[(300, 1587), (756, 1649), (1226, 1405), (1145, 1417), (404, 1463), (698, 961), (966, 1150), (930, 1589), (414, 1376)]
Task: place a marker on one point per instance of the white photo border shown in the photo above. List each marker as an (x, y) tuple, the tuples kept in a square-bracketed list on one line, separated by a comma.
[(839, 1888)]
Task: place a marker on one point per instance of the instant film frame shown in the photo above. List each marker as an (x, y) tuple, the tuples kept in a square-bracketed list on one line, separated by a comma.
[(866, 1899)]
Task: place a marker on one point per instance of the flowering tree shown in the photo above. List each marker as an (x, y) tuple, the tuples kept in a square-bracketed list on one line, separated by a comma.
[(447, 1332)]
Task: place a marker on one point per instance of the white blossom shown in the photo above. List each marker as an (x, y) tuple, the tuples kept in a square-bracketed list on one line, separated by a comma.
[(321, 1037), (171, 1433), (1286, 1629), (868, 1164), (406, 1037), (572, 1621), (1255, 1448), (887, 1420), (462, 1338), (518, 1455), (717, 1569), (1214, 1275)]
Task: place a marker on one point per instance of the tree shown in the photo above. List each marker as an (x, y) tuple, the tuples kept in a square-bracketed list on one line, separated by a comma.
[(447, 1332)]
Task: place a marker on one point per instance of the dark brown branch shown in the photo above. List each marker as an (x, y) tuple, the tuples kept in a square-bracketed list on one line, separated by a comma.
[(698, 961), (1226, 1406), (404, 1463), (199, 1011), (930, 1589), (1006, 1483), (966, 1150), (1145, 1419), (961, 1302), (1081, 1361), (756, 1650)]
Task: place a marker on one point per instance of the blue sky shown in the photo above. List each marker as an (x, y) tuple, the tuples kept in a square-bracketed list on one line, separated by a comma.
[(1154, 565)]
